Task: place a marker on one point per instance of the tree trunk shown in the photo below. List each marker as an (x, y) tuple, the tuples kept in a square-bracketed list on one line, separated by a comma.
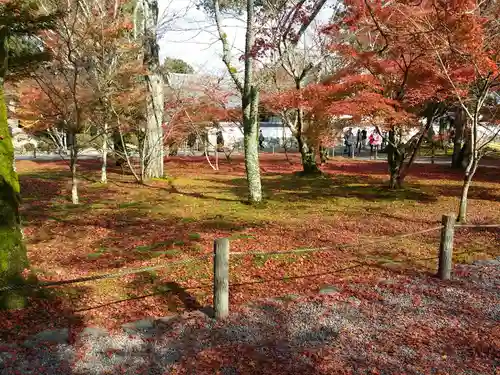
[(469, 174), (119, 148), (307, 153), (251, 144), (74, 178), (405, 168), (153, 150), (308, 157), (13, 258), (393, 159), (104, 177), (459, 124), (470, 169), (250, 104), (155, 100)]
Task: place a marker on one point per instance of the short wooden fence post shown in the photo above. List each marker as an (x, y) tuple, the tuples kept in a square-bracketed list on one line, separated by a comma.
[(221, 278), (446, 247)]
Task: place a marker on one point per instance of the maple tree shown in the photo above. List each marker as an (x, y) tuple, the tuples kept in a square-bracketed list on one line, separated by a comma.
[(457, 45), (294, 54), (114, 72), (61, 97), (18, 20), (196, 110)]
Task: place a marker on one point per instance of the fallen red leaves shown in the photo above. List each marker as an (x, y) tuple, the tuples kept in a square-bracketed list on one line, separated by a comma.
[(123, 225)]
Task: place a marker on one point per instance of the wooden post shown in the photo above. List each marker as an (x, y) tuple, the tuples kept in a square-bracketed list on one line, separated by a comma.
[(221, 278), (446, 247)]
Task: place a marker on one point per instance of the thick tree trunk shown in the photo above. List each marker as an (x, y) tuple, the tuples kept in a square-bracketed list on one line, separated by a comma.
[(153, 167), (308, 157), (153, 149), (251, 144), (250, 103), (393, 159), (13, 258), (119, 148), (307, 153), (104, 177)]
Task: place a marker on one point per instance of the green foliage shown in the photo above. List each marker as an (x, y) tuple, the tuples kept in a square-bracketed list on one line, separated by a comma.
[(226, 6), (172, 65)]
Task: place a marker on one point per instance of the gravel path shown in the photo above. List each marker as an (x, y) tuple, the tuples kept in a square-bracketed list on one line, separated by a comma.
[(405, 325)]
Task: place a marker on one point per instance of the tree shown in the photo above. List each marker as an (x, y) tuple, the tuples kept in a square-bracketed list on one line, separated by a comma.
[(296, 59), (171, 65), (460, 41), (466, 45), (381, 44), (18, 19), (153, 134), (112, 67), (247, 89), (194, 110), (61, 96)]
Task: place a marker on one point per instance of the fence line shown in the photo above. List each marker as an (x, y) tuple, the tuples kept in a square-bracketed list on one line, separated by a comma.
[(101, 276), (295, 251), (341, 246), (477, 226)]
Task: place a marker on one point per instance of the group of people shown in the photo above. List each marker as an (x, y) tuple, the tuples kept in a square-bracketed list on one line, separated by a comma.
[(355, 143)]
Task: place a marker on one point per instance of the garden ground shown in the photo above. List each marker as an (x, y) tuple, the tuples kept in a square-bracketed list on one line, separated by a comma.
[(122, 225)]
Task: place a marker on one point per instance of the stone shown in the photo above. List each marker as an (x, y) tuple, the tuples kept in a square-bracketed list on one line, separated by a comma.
[(166, 320), (487, 262), (288, 297), (328, 289), (94, 332), (139, 325), (53, 336)]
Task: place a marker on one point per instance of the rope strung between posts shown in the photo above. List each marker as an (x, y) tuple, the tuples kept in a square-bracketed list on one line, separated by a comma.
[(296, 251), (115, 275), (477, 226), (345, 246)]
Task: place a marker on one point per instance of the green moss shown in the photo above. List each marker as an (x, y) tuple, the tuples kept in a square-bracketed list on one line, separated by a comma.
[(6, 148), (13, 258)]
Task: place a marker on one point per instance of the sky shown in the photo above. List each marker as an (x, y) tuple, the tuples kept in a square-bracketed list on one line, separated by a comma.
[(191, 36)]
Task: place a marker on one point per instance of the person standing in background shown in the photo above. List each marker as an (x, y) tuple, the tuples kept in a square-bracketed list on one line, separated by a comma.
[(363, 138), (375, 141), (261, 140)]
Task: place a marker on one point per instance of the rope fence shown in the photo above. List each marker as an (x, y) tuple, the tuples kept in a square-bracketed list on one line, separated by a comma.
[(114, 275), (221, 261)]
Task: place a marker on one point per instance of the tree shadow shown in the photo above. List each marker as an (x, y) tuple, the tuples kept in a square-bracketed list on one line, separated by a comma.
[(419, 171), (475, 192), (294, 187), (48, 309), (358, 327)]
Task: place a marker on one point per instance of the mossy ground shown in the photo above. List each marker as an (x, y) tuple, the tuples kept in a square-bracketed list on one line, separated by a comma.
[(123, 225)]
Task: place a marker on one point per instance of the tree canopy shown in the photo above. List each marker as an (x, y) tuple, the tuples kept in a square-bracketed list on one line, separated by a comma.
[(173, 65)]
